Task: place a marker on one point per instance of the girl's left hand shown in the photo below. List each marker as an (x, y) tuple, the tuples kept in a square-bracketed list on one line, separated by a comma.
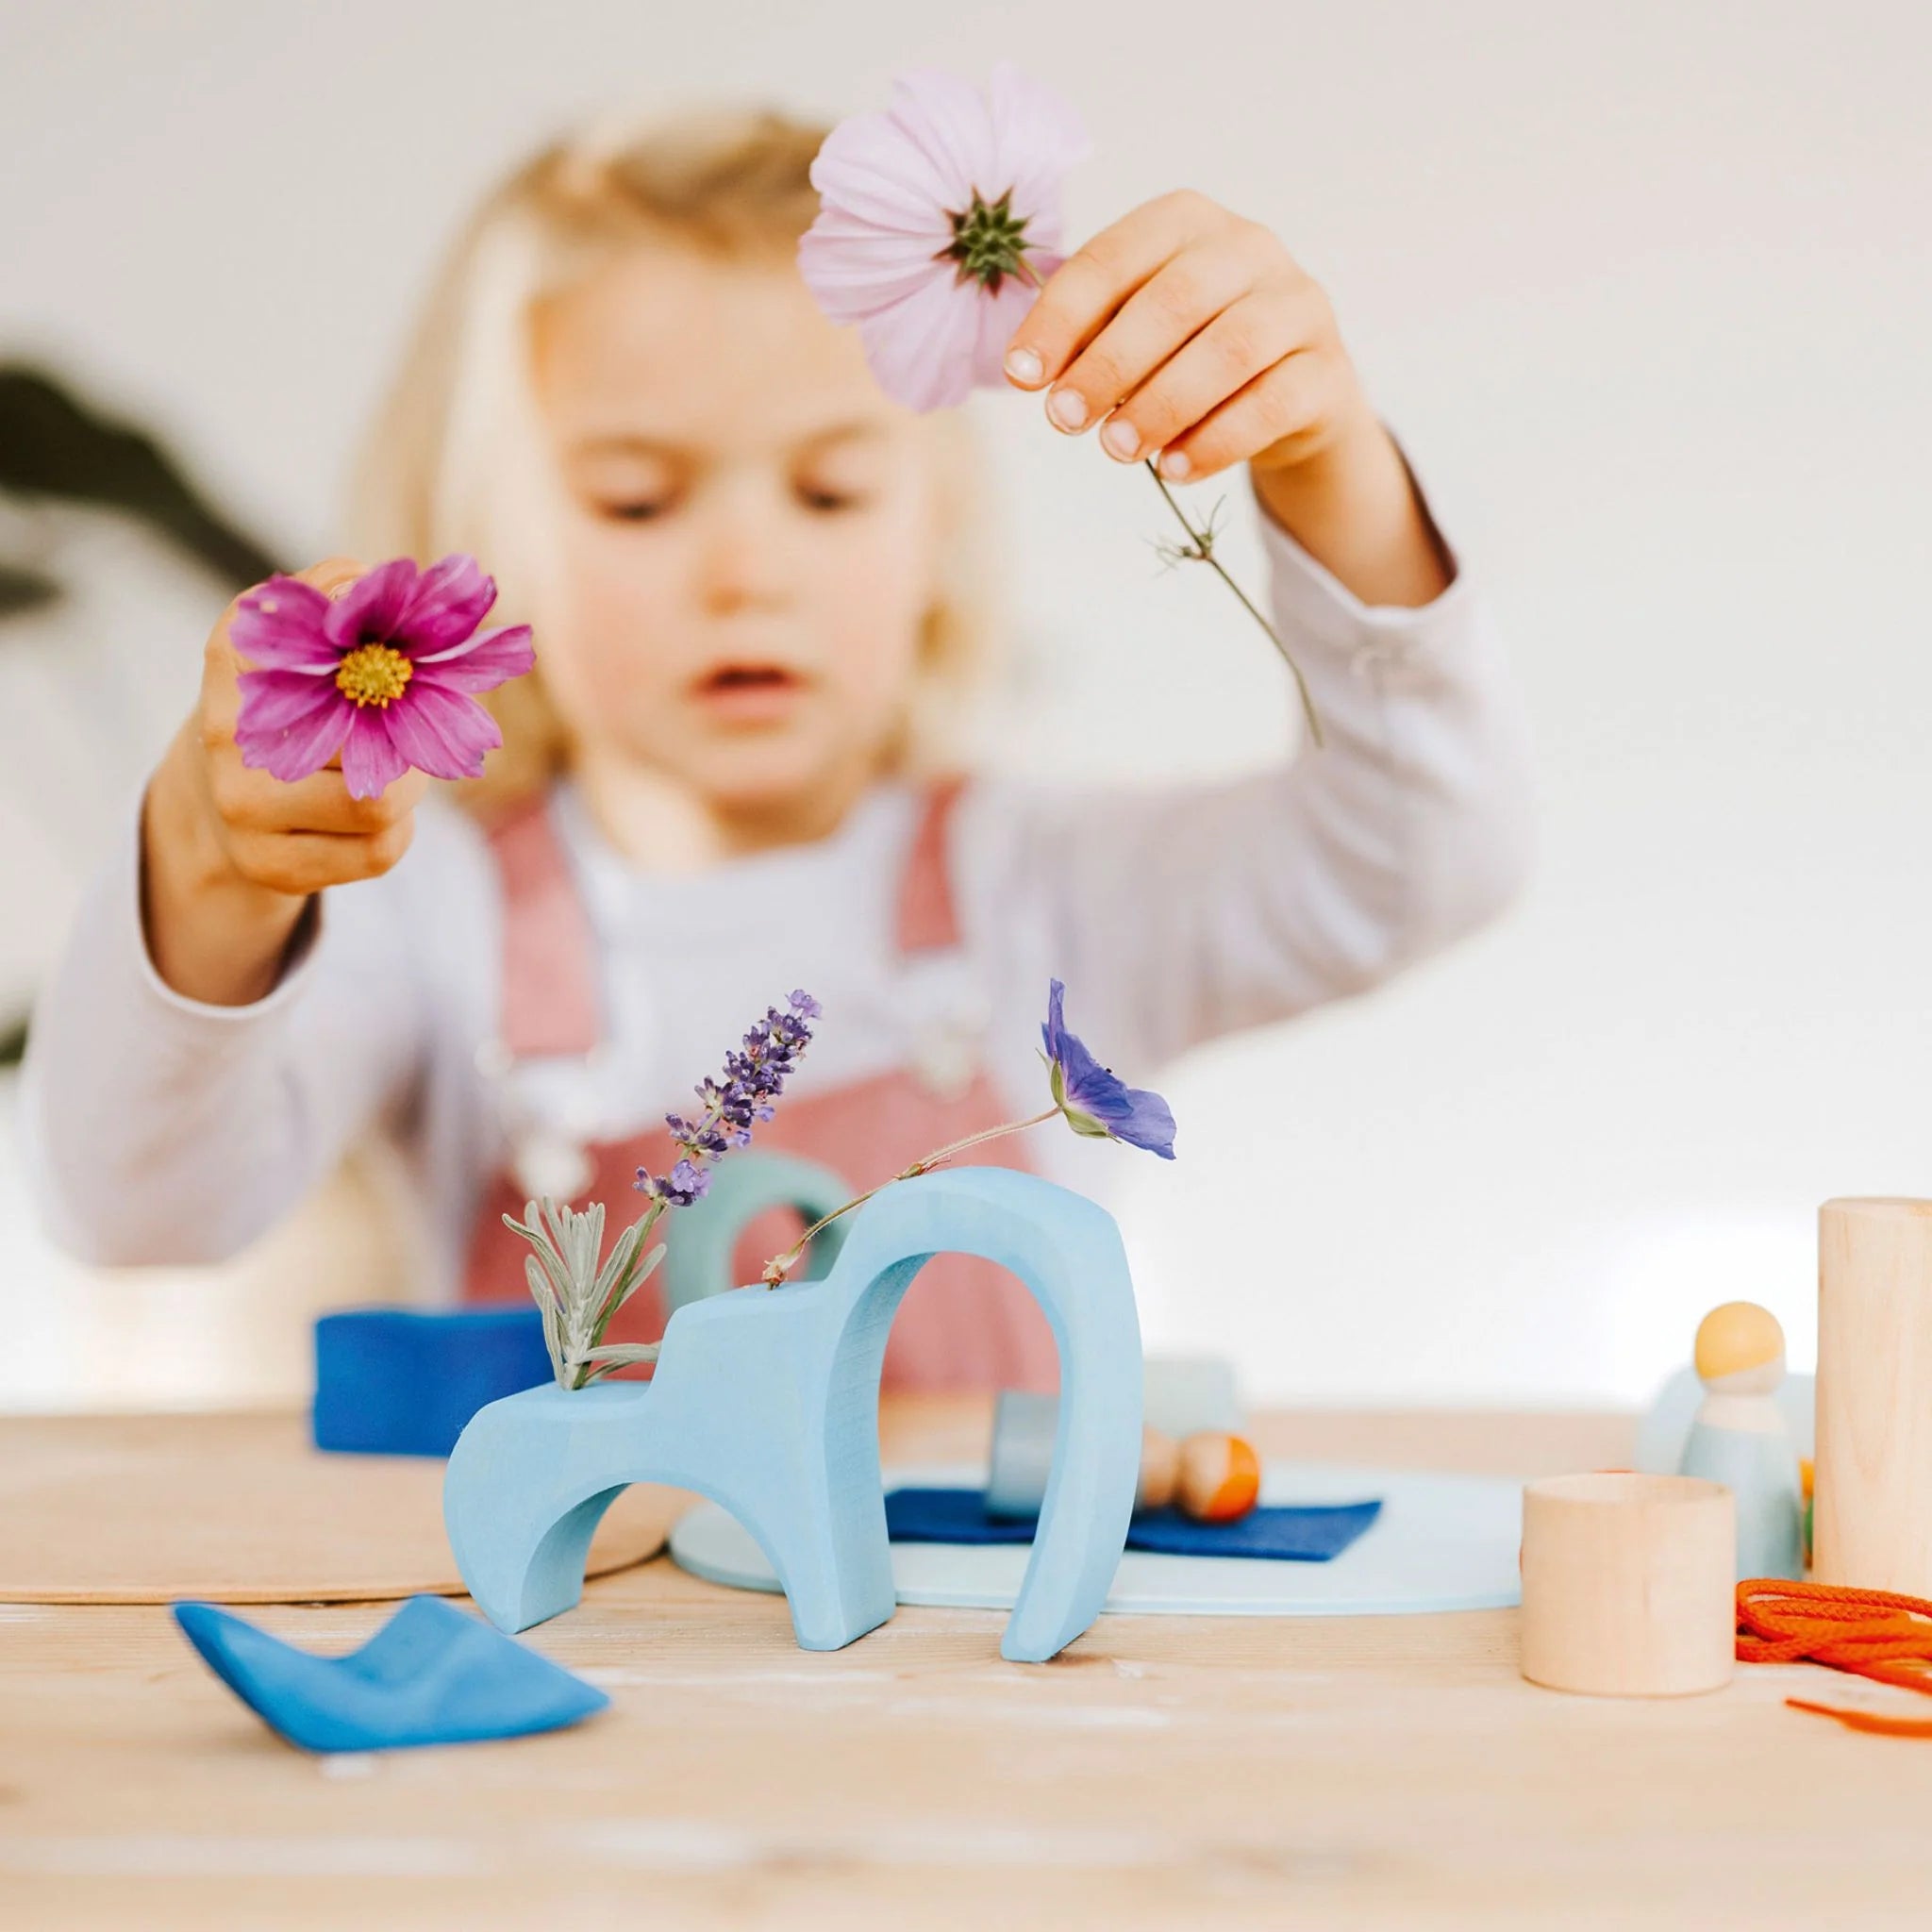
[(1191, 332)]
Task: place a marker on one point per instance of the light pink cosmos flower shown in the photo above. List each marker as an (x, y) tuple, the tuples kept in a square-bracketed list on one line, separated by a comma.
[(937, 222), (383, 675)]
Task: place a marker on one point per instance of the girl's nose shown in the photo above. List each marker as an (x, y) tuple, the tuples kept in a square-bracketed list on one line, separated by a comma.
[(742, 562)]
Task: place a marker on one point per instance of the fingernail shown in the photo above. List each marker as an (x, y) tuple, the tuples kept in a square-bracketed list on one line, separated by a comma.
[(1174, 465), (1023, 365), (1068, 409), (1120, 440)]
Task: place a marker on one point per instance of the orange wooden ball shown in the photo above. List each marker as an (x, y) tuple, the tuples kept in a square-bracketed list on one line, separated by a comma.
[(1219, 1477), (1161, 1469)]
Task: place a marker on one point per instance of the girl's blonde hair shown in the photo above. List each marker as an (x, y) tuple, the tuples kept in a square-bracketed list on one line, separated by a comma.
[(452, 458)]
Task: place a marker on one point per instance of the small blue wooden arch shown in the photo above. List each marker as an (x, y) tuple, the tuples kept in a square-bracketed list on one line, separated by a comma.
[(766, 1401), (697, 1258)]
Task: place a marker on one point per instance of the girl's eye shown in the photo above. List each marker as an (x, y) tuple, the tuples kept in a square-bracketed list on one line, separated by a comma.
[(642, 510), (826, 502)]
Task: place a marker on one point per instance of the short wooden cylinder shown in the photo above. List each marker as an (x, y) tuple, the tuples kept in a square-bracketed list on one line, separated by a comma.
[(1629, 1588), (1872, 1521)]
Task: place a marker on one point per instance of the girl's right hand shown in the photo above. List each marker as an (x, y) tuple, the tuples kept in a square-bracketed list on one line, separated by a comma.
[(231, 858)]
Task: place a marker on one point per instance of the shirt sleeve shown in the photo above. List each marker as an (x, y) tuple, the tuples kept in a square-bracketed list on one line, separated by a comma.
[(1180, 915), (162, 1130)]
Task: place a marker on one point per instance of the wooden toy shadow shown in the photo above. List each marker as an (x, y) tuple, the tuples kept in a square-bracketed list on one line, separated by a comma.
[(766, 1401)]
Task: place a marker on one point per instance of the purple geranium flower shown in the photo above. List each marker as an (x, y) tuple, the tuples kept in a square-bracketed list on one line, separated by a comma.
[(1096, 1101), (938, 220), (383, 674)]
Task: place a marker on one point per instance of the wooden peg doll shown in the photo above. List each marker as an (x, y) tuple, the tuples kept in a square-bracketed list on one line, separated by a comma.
[(1740, 1438)]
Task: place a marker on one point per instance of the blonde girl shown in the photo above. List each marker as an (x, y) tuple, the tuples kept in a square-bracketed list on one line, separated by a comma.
[(755, 588)]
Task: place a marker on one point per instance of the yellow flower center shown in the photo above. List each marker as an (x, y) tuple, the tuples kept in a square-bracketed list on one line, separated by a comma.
[(373, 674)]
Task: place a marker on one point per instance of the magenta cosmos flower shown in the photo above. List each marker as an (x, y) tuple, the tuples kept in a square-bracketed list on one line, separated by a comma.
[(385, 674), (938, 220)]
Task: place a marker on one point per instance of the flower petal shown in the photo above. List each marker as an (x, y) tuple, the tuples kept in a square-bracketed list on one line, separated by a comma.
[(302, 745), (272, 701), (369, 609), (1147, 1122), (945, 119), (1055, 1029), (871, 167), (922, 350), (441, 732), (451, 599), (371, 762), (490, 658), (1038, 136), (279, 626), (854, 270), (999, 317)]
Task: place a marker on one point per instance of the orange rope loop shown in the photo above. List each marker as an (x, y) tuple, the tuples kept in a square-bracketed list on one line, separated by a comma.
[(1872, 1633)]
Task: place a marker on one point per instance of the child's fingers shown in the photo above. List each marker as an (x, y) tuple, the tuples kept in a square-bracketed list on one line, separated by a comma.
[(1085, 290), (1234, 348), (1178, 300), (333, 574), (251, 800), (300, 863), (1291, 398)]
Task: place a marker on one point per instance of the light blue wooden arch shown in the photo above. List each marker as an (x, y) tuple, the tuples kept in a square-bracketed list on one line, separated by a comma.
[(697, 1258), (766, 1401)]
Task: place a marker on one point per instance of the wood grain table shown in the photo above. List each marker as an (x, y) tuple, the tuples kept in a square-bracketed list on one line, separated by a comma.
[(1165, 1772)]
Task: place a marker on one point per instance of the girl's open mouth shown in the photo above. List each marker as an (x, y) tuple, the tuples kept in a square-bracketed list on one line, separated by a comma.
[(749, 693)]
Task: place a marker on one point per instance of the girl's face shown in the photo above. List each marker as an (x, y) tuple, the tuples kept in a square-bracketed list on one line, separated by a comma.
[(749, 541)]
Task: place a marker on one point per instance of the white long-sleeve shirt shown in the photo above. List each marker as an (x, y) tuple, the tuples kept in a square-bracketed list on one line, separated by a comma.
[(160, 1129)]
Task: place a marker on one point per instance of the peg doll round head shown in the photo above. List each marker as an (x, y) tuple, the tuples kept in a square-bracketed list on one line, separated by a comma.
[(1740, 1350)]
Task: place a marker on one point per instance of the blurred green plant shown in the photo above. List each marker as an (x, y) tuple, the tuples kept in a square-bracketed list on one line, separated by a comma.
[(56, 447)]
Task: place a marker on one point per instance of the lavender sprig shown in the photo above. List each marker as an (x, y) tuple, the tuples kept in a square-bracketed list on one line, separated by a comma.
[(755, 1077), (577, 1292)]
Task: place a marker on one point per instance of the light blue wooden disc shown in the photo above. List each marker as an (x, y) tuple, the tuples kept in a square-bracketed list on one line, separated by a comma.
[(1442, 1542)]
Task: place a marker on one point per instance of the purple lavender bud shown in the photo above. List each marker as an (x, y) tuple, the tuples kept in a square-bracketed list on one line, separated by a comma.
[(684, 1184)]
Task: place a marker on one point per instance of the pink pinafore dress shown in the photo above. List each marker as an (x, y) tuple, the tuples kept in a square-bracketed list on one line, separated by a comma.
[(965, 1323)]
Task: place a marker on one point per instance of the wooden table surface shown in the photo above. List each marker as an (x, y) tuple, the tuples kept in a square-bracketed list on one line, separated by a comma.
[(1164, 1771)]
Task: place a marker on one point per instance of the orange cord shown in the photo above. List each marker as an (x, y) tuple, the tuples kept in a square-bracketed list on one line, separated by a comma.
[(1872, 1633)]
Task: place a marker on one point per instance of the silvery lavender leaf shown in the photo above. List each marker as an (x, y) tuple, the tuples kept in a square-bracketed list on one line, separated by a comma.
[(545, 1297), (575, 1296)]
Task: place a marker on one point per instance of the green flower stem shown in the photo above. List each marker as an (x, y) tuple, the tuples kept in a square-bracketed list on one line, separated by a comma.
[(1200, 549), (780, 1265)]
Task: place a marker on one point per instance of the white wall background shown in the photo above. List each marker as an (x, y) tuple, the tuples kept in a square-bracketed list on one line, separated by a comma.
[(1646, 290)]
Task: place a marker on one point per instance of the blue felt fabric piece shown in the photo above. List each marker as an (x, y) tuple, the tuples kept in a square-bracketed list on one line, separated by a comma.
[(430, 1675), (1304, 1533), (406, 1381)]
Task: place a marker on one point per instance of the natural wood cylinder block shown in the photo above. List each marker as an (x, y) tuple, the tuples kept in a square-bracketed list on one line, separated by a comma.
[(1872, 1490), (1628, 1584)]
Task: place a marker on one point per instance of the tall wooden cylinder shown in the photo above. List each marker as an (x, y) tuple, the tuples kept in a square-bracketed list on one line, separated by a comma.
[(1872, 1522)]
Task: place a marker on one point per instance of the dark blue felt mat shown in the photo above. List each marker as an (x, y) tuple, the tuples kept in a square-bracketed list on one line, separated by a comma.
[(1307, 1533)]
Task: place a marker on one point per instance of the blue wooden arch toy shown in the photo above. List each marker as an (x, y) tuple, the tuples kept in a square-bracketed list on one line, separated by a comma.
[(766, 1401)]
